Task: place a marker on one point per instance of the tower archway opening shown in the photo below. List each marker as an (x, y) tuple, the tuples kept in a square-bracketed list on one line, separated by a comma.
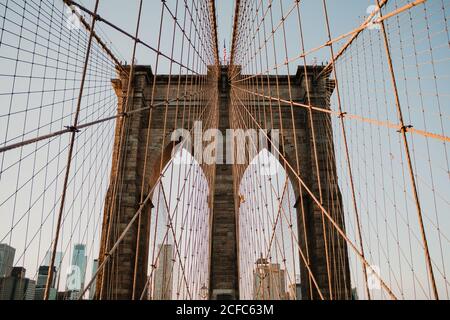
[(269, 260), (179, 233)]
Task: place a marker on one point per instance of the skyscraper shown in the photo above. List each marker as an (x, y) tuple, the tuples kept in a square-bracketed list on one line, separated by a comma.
[(75, 280), (162, 289), (58, 260), (42, 283), (57, 265), (6, 260), (93, 287), (17, 286), (355, 294), (295, 291), (269, 281), (43, 275)]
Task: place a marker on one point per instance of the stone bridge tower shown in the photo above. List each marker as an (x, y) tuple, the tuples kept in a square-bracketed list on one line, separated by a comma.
[(224, 269)]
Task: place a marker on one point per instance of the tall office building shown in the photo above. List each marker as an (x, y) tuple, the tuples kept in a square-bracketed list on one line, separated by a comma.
[(79, 261), (43, 276), (17, 286), (6, 260), (75, 279), (269, 281), (42, 283), (162, 289), (93, 287), (57, 265), (295, 291)]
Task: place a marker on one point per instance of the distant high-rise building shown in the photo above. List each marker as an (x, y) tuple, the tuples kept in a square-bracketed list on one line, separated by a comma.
[(162, 289), (93, 287), (67, 295), (355, 294), (269, 281), (43, 276), (6, 260), (17, 286), (295, 291), (19, 272), (42, 283), (57, 265), (76, 277), (61, 295), (79, 263), (74, 295)]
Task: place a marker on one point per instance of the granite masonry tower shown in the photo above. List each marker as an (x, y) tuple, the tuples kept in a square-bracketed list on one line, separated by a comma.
[(117, 280)]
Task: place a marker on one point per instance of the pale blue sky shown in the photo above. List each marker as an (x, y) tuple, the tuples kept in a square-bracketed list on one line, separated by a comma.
[(124, 16)]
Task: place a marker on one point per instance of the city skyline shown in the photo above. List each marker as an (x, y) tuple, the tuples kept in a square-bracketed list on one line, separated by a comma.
[(35, 288)]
